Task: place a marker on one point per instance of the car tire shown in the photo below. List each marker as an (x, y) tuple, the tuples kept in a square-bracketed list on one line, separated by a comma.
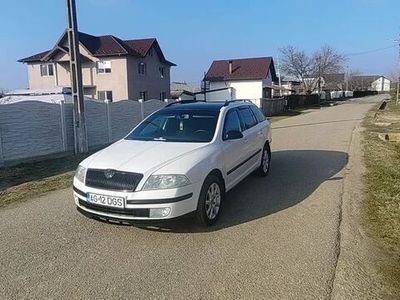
[(265, 164), (210, 201)]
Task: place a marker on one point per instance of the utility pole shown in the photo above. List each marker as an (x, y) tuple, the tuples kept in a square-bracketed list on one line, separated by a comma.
[(398, 73), (81, 144), (279, 78)]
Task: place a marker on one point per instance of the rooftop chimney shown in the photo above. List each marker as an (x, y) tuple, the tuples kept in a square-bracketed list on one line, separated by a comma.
[(230, 67)]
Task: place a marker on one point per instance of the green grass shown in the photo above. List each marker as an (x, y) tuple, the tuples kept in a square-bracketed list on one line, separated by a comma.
[(382, 209), (34, 179)]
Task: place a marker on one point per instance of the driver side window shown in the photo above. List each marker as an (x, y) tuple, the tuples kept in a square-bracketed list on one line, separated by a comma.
[(232, 123)]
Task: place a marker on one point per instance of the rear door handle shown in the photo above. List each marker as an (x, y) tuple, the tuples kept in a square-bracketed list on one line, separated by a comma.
[(246, 140)]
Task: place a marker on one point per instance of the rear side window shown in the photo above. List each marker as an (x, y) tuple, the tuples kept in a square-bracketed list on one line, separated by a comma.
[(232, 122), (247, 117), (258, 113)]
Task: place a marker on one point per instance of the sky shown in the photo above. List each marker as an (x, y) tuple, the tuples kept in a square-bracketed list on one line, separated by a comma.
[(194, 33)]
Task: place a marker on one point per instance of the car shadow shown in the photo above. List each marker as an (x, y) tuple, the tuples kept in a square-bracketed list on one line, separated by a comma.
[(294, 175)]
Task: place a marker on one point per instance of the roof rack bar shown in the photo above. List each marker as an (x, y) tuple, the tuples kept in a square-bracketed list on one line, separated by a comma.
[(183, 102)]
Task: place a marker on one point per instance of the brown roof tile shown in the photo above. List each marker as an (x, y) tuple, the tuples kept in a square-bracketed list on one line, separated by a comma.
[(242, 69), (107, 45)]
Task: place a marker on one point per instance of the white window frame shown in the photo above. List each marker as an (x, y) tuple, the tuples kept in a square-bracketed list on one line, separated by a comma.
[(142, 71), (104, 67), (47, 68), (106, 95)]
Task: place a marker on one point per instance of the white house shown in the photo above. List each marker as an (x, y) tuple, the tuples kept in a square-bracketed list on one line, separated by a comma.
[(246, 78), (370, 83)]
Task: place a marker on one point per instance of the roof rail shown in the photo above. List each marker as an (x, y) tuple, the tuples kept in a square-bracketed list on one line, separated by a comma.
[(183, 102), (227, 102)]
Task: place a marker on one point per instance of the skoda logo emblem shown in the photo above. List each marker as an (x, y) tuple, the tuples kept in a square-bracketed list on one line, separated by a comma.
[(109, 173)]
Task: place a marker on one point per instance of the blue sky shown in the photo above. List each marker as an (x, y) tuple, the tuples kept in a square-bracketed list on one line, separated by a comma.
[(193, 33)]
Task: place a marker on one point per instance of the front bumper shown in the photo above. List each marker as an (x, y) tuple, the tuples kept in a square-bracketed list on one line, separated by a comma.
[(139, 205)]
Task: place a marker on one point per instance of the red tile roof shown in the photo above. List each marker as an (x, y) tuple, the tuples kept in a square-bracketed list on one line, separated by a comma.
[(106, 45), (242, 69)]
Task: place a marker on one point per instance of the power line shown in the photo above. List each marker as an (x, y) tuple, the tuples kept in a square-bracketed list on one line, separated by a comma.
[(371, 51)]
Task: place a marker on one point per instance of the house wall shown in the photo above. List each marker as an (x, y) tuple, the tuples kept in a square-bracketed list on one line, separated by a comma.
[(245, 89), (151, 82), (381, 85), (36, 81)]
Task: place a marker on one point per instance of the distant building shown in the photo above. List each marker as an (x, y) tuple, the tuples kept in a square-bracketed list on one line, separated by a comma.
[(247, 78), (369, 83), (112, 68), (290, 86), (183, 91)]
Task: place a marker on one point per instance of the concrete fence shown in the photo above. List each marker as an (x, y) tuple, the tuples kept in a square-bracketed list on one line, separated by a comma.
[(32, 129)]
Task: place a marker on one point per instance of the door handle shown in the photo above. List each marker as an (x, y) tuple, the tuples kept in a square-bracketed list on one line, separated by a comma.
[(246, 140)]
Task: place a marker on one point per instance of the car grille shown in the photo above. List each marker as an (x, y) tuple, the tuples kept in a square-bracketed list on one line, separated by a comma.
[(119, 181)]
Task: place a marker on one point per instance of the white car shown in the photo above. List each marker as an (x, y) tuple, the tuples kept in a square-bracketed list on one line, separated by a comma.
[(179, 160)]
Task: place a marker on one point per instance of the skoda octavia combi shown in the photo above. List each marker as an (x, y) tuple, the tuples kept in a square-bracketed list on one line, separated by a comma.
[(181, 159)]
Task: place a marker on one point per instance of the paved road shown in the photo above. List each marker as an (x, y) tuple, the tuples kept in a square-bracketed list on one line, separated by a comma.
[(277, 238)]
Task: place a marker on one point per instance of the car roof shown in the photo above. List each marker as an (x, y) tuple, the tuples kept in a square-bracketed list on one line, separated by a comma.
[(201, 105)]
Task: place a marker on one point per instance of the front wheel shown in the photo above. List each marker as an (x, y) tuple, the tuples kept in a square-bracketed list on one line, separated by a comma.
[(210, 200), (265, 165)]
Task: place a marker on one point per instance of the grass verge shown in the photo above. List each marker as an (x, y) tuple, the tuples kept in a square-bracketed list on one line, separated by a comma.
[(34, 179), (382, 160)]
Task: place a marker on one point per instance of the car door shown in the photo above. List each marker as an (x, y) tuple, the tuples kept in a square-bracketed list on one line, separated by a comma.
[(235, 150), (251, 137)]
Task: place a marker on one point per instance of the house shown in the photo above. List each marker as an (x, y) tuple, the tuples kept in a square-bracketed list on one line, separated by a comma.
[(291, 85), (377, 83), (246, 78), (112, 68), (183, 91)]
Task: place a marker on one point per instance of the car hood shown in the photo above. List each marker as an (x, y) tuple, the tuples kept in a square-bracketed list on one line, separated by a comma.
[(140, 156)]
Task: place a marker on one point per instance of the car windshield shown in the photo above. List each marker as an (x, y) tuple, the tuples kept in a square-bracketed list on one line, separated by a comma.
[(177, 125)]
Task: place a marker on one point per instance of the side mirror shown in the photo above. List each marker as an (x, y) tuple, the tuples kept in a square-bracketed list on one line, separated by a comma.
[(233, 135)]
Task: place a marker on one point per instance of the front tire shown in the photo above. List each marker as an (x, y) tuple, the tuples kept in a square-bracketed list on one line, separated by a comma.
[(265, 165), (210, 200)]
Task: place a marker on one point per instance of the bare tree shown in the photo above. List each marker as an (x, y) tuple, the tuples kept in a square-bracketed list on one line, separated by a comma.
[(310, 69)]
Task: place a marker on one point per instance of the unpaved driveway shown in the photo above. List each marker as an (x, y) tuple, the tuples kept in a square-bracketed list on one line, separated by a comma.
[(277, 238)]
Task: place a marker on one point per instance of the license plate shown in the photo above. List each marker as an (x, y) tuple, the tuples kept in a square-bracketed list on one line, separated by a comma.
[(104, 200)]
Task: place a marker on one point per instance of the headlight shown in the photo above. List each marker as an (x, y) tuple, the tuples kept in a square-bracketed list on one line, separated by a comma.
[(160, 182), (80, 174)]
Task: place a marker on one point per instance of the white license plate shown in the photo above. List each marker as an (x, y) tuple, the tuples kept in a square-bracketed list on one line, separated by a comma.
[(104, 200)]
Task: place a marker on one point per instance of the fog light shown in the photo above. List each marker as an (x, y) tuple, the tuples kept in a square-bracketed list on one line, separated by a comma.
[(159, 212)]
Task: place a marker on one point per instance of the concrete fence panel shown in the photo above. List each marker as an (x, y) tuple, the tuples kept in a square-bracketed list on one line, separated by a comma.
[(29, 129), (124, 116), (96, 123)]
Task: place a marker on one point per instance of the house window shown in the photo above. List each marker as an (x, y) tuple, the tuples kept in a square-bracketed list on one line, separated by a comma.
[(142, 68), (47, 70), (105, 95), (163, 96), (104, 66), (150, 52), (143, 95), (161, 69)]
